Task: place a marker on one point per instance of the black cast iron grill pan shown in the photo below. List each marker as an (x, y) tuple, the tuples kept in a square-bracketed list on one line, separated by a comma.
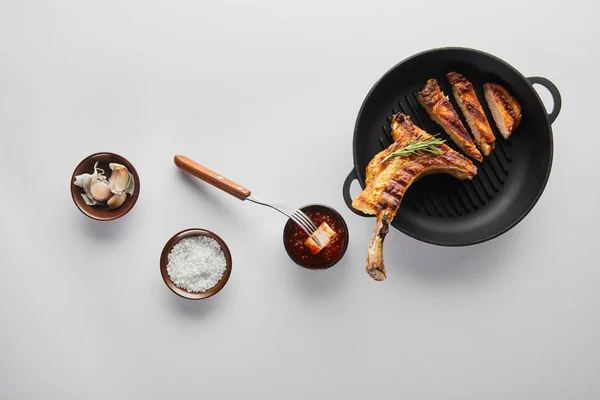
[(440, 209)]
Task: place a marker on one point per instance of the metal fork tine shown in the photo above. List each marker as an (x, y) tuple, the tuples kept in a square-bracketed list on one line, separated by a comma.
[(304, 222), (308, 222), (312, 224), (297, 216), (305, 227), (301, 223), (307, 219)]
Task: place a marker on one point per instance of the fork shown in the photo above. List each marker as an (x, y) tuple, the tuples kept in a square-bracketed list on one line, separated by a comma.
[(240, 192)]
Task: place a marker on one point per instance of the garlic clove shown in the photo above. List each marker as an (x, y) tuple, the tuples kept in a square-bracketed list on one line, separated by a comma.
[(114, 165), (119, 179), (116, 201), (131, 185), (99, 190)]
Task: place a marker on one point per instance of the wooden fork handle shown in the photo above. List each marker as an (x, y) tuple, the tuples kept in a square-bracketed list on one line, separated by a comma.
[(210, 176)]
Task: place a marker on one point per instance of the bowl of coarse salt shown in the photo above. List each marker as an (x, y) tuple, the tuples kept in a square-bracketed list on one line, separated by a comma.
[(195, 264)]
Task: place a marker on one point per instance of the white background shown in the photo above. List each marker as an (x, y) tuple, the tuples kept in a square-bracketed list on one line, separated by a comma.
[(265, 92)]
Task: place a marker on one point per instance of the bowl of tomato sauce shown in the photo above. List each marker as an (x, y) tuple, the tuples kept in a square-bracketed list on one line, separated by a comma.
[(294, 238)]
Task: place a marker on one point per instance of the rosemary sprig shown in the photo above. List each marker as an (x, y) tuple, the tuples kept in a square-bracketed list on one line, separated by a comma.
[(429, 145)]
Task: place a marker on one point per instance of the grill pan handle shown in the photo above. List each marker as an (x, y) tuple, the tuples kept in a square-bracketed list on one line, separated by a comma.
[(346, 193), (553, 91)]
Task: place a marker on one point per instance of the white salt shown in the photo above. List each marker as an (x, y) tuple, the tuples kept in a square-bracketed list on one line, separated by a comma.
[(196, 263)]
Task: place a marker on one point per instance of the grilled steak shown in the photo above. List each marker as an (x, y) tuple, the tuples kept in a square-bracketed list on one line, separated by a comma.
[(387, 181), (471, 108), (505, 109), (437, 105)]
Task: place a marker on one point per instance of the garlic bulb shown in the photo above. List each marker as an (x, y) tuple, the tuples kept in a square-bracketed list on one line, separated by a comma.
[(100, 190)]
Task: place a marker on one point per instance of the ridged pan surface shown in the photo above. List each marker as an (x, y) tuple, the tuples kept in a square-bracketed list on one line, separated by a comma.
[(440, 209)]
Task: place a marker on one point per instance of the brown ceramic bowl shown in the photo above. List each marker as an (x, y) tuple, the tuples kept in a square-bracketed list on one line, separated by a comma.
[(321, 264), (103, 213), (182, 292)]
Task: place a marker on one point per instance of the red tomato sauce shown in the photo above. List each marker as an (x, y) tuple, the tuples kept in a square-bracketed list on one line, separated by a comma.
[(296, 237)]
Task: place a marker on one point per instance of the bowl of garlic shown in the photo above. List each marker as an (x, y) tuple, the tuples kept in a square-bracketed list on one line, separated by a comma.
[(105, 186)]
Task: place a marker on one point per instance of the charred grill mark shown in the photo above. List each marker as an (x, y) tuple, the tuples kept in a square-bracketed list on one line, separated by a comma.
[(456, 78), (456, 125), (393, 193), (460, 83), (475, 111), (431, 93), (396, 187), (465, 88), (389, 201), (506, 104), (427, 101)]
